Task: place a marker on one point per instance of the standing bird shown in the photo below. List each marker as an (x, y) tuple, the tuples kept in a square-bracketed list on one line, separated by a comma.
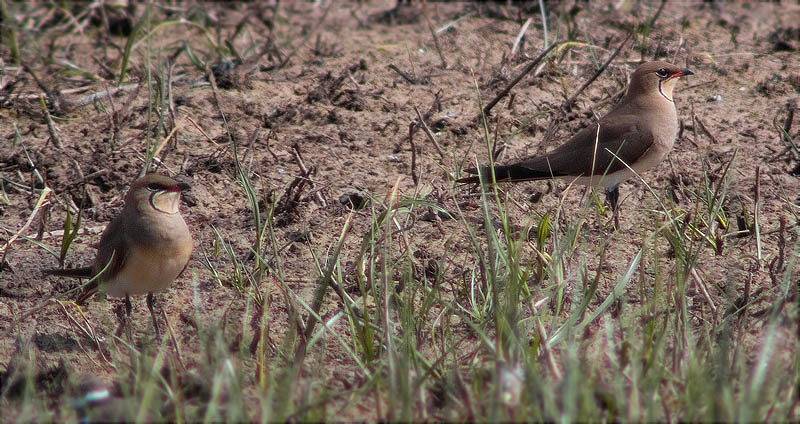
[(144, 248), (638, 133)]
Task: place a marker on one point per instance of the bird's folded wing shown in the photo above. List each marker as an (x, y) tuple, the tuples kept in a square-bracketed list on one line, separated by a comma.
[(620, 142), (590, 152), (111, 250), (84, 272), (111, 254)]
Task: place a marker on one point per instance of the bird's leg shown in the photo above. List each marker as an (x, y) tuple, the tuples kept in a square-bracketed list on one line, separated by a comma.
[(128, 323), (119, 311), (612, 194), (151, 302)]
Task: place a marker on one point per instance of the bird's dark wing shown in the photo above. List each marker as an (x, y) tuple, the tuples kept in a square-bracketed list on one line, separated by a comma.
[(112, 250), (621, 136), (111, 247), (85, 272)]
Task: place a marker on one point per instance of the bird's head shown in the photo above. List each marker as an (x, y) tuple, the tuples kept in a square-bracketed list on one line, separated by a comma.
[(157, 193), (655, 79)]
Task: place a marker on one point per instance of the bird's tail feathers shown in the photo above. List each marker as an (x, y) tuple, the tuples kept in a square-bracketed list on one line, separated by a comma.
[(85, 272), (502, 173)]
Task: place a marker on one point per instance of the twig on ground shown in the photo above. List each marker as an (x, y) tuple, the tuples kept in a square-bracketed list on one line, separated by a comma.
[(543, 12), (705, 130), (52, 96), (170, 99), (35, 96), (434, 106), (298, 157), (704, 289), (173, 339), (435, 37), (681, 41), (413, 154), (199, 128), (215, 95), (520, 35), (307, 173), (51, 127), (269, 149), (270, 49), (568, 104), (120, 117), (328, 86), (411, 80), (307, 37), (114, 118), (745, 299), (451, 24), (19, 186), (86, 328), (757, 215), (791, 105), (296, 186), (43, 197), (34, 168), (166, 140), (529, 67), (361, 24), (84, 179), (657, 14), (429, 133)]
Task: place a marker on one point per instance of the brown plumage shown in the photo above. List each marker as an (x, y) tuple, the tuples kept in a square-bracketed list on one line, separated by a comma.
[(639, 131), (145, 247)]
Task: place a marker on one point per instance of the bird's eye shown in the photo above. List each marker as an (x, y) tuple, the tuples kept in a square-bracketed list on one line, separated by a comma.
[(154, 187), (662, 73)]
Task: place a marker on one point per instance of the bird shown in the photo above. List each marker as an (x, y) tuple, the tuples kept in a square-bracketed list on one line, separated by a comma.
[(144, 248), (637, 133)]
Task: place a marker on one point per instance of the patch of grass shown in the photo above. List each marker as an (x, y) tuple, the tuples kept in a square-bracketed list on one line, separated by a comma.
[(8, 33), (70, 233)]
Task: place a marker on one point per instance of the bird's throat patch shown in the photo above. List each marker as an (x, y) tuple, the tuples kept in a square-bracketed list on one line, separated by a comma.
[(165, 201), (662, 88)]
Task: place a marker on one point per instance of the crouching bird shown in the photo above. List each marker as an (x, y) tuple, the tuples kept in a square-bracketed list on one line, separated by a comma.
[(144, 248), (637, 134)]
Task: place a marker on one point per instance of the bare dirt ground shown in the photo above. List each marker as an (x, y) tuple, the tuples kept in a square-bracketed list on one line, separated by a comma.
[(329, 95)]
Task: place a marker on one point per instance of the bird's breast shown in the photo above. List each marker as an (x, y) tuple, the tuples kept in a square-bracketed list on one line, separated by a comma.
[(664, 131), (147, 270), (152, 265)]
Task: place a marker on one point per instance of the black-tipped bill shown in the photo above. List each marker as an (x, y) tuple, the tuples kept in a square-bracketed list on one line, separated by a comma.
[(180, 187)]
